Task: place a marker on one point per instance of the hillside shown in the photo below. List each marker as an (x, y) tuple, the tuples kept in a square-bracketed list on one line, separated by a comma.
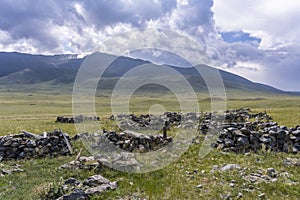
[(25, 69)]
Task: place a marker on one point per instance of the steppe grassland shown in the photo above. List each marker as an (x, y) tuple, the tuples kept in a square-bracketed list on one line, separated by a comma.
[(36, 112)]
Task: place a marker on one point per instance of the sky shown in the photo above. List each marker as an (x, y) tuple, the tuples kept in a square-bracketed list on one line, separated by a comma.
[(252, 38)]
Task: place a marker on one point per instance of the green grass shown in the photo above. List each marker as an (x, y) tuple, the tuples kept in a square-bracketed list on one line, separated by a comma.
[(36, 112)]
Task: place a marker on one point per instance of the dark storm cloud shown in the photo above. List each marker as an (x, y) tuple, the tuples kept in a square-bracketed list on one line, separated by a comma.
[(35, 19)]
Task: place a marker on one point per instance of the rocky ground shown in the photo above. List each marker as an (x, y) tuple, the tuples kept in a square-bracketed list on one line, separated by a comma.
[(239, 131)]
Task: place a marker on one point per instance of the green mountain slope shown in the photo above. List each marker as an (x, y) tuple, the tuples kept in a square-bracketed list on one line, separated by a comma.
[(24, 69)]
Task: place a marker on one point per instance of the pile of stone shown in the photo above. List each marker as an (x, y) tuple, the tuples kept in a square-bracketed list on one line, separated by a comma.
[(76, 119), (128, 141), (142, 120), (216, 121), (132, 142), (27, 145), (253, 136), (244, 115), (153, 122), (85, 190), (138, 123), (243, 131), (173, 117)]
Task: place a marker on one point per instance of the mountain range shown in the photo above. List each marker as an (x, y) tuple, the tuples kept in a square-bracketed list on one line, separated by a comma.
[(20, 69)]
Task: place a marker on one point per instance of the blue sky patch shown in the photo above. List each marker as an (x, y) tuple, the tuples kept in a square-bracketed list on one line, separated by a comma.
[(240, 36)]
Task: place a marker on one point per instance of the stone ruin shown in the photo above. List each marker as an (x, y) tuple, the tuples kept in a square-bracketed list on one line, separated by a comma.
[(153, 122), (26, 145), (235, 130), (73, 188), (243, 131), (76, 119), (131, 142), (253, 136)]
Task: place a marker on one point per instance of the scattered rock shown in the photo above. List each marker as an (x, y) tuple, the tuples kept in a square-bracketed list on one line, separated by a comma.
[(226, 196), (7, 170), (93, 185), (82, 162), (76, 194), (95, 180), (228, 167), (292, 161), (258, 178), (101, 188)]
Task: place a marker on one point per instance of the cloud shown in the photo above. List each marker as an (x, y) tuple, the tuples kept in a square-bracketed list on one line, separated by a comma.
[(276, 22), (256, 39)]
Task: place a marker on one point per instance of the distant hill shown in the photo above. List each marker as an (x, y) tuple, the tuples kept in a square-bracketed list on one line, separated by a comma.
[(25, 69)]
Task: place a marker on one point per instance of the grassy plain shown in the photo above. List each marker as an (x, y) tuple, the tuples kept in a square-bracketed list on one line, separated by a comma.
[(37, 111)]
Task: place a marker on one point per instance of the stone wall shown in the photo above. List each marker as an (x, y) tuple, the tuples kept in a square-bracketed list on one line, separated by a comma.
[(128, 141), (254, 136), (242, 131), (137, 143), (28, 145), (76, 119)]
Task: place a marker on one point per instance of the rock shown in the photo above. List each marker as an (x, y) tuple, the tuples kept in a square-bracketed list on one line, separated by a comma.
[(130, 164), (101, 188), (228, 167), (261, 196), (77, 194), (242, 141), (245, 131), (6, 171), (72, 182), (214, 168), (93, 185), (296, 132), (229, 142), (199, 186), (226, 196), (272, 172), (292, 161), (1, 155), (97, 190), (96, 180), (258, 178), (253, 139), (265, 139), (240, 195)]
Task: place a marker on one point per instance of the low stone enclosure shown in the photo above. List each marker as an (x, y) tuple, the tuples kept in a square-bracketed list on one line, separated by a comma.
[(76, 119), (234, 130), (26, 145)]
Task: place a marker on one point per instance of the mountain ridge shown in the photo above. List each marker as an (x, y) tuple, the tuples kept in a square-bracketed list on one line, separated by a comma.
[(19, 68)]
